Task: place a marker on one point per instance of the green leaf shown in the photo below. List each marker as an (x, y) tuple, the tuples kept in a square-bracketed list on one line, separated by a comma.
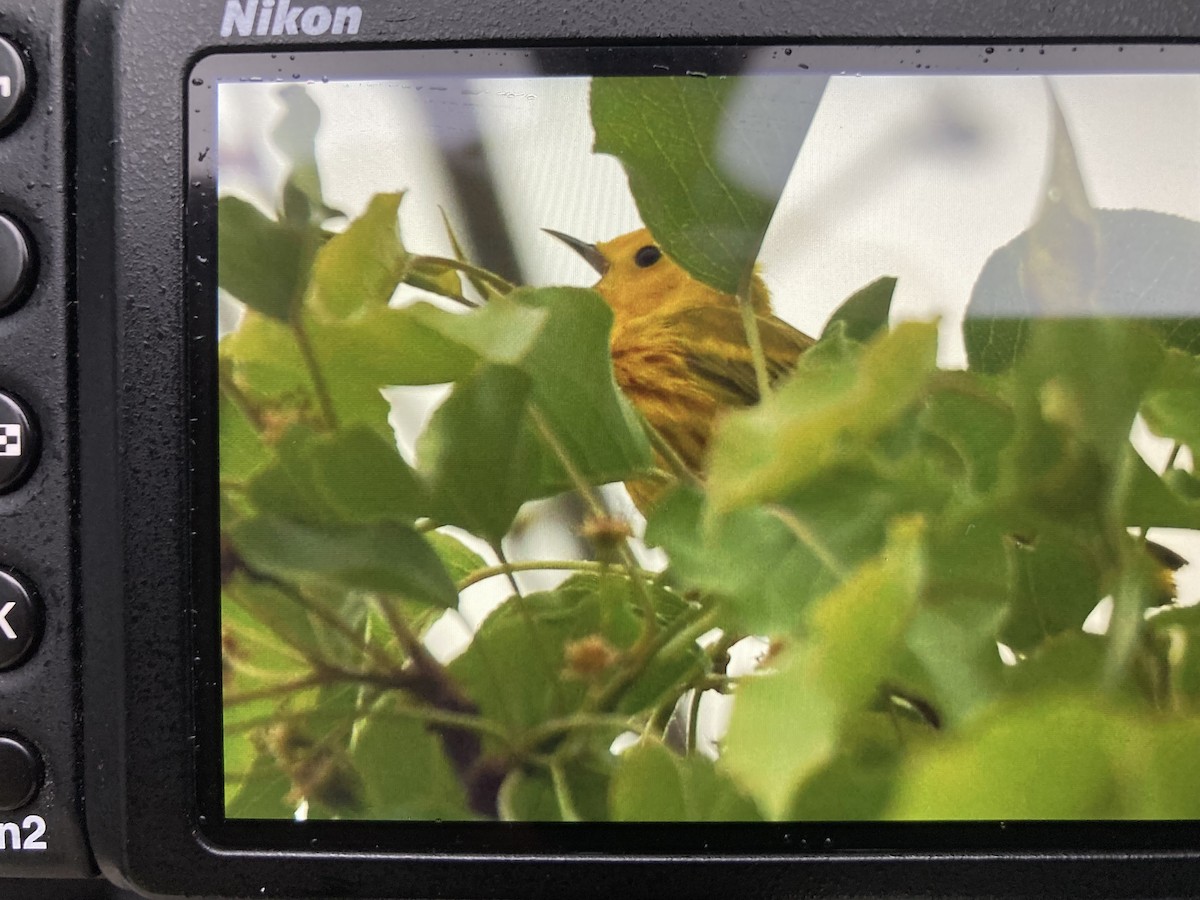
[(422, 344), (823, 411), (1057, 580), (1157, 501), (384, 557), (516, 670), (857, 782), (358, 270), (1055, 756), (262, 794), (261, 262), (707, 159), (573, 387), (865, 312), (532, 796), (786, 725), (242, 452), (352, 475), (478, 454), (975, 423), (953, 641), (459, 559), (652, 784), (404, 771), (1043, 760)]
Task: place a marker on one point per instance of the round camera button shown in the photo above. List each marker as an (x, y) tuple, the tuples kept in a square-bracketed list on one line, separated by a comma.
[(14, 84), (20, 773), (18, 442), (16, 264), (20, 620)]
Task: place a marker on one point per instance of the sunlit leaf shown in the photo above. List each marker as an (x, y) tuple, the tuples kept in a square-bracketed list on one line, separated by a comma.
[(765, 451), (359, 269), (786, 725)]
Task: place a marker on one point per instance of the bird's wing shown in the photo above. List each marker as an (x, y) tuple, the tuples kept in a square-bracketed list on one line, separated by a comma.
[(717, 350)]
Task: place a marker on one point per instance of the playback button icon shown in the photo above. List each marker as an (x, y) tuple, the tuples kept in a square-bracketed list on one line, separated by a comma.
[(20, 620), (18, 442)]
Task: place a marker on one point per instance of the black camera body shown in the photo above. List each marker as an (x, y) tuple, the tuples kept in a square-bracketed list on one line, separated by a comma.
[(104, 729)]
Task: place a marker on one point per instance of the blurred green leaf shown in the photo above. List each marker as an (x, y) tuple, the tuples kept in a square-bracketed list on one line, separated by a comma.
[(572, 386), (261, 262), (857, 782), (459, 559), (516, 669), (358, 270), (382, 557), (707, 159), (405, 774), (531, 795), (786, 725), (1055, 756), (865, 312), (353, 475), (652, 784), (1057, 581), (262, 794), (970, 418), (241, 448), (818, 415), (479, 455)]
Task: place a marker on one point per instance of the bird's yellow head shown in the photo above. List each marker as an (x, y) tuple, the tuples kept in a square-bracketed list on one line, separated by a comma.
[(637, 279)]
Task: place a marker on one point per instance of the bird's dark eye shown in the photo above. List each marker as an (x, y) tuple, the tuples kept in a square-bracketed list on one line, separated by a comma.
[(647, 256)]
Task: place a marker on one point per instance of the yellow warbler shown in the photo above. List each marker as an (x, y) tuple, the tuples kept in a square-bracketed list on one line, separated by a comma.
[(679, 347)]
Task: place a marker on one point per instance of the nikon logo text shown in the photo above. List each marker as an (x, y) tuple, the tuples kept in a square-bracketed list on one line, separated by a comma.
[(264, 17)]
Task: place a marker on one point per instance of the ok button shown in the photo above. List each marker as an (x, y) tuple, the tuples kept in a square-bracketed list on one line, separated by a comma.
[(20, 620)]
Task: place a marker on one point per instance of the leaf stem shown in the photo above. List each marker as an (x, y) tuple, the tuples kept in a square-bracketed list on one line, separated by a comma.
[(545, 660), (596, 508), (562, 792), (239, 399), (501, 285), (809, 539), (1175, 448), (673, 460), (641, 654), (552, 565), (324, 398), (449, 694), (754, 339), (693, 719)]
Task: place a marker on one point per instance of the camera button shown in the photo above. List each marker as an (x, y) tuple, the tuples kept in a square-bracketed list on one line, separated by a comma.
[(18, 442), (16, 264), (20, 621), (20, 773), (14, 84)]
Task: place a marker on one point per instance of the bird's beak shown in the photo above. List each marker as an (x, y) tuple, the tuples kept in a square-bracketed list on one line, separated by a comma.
[(590, 252)]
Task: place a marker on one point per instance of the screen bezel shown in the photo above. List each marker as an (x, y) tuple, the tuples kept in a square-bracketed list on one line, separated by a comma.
[(616, 839), (133, 61)]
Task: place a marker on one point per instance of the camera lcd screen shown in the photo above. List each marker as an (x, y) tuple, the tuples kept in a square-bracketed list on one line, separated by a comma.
[(699, 435)]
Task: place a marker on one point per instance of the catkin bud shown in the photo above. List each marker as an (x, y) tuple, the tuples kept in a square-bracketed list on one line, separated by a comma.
[(589, 657), (606, 534)]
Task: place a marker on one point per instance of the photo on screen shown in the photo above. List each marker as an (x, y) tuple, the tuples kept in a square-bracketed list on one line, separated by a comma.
[(772, 444)]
